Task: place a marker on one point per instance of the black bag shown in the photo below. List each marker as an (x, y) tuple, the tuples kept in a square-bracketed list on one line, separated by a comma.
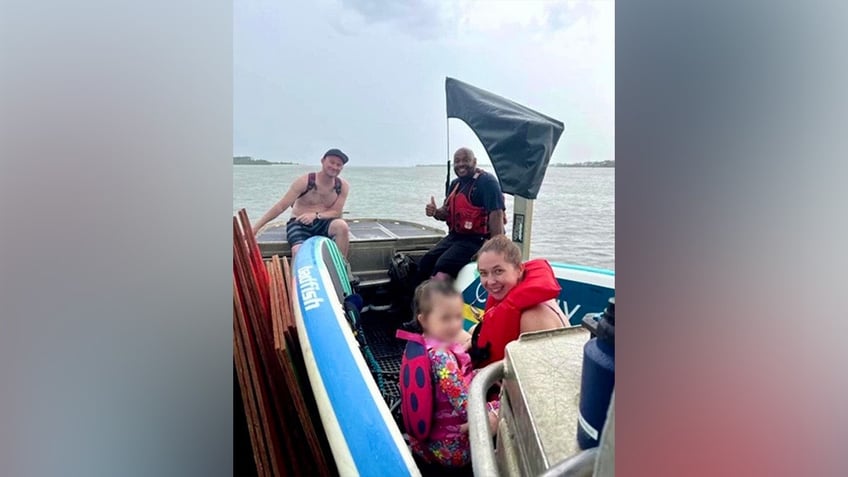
[(403, 271)]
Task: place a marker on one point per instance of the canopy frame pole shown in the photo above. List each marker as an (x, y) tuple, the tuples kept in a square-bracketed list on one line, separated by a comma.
[(448, 155), (522, 224)]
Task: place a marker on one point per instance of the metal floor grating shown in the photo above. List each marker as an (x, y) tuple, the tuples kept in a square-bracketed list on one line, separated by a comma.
[(383, 353), (384, 345)]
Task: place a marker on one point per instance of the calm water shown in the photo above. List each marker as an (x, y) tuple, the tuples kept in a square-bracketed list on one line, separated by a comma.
[(574, 215)]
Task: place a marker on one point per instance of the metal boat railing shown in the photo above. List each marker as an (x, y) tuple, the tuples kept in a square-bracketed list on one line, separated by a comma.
[(479, 434)]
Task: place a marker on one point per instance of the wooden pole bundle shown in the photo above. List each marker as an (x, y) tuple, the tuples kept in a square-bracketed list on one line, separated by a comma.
[(283, 424), (285, 333)]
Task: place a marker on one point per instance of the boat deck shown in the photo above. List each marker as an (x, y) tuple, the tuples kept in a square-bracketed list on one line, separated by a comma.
[(361, 230), (373, 242)]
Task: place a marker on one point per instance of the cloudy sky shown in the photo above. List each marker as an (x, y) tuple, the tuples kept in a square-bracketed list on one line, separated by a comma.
[(367, 76)]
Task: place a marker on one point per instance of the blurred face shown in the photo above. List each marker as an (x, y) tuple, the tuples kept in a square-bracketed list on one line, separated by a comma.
[(497, 275), (463, 164), (444, 322), (332, 165)]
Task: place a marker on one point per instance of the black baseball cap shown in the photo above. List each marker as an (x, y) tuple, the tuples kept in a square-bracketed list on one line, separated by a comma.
[(338, 153)]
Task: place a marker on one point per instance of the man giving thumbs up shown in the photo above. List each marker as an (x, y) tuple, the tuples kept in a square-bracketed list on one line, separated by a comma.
[(473, 210), (431, 209)]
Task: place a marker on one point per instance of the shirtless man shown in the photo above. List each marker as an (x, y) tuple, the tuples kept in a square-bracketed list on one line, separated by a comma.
[(317, 200)]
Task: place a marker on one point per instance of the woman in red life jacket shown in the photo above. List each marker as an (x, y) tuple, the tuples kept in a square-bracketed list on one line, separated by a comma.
[(522, 298)]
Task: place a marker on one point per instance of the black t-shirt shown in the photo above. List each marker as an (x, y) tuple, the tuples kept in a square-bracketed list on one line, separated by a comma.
[(486, 192)]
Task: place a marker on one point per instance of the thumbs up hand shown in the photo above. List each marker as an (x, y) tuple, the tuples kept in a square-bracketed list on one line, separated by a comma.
[(430, 210)]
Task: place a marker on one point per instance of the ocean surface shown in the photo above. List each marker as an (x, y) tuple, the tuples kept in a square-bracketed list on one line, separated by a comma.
[(574, 215)]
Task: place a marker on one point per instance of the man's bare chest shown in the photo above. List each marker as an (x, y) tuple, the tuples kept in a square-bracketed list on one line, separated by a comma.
[(318, 197)]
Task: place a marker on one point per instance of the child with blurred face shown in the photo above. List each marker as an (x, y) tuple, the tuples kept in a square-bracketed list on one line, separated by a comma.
[(438, 311)]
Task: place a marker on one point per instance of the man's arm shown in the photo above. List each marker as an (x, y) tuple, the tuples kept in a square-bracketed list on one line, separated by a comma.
[(441, 213), (337, 210), (493, 201), (496, 222), (298, 186)]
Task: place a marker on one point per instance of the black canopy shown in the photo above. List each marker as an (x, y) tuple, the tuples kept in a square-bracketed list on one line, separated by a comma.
[(519, 141)]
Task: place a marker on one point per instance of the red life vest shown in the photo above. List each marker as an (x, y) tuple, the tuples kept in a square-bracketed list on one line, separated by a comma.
[(463, 216), (501, 321), (426, 410)]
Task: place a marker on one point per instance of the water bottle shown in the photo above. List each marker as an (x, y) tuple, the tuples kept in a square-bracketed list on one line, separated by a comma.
[(598, 378)]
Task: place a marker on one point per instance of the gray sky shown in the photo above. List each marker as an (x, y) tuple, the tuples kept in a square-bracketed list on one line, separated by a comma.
[(368, 76)]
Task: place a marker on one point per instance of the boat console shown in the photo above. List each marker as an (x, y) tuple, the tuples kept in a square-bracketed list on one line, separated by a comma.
[(537, 427)]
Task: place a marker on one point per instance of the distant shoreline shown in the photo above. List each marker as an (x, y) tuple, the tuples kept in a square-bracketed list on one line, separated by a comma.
[(585, 164), (249, 161)]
